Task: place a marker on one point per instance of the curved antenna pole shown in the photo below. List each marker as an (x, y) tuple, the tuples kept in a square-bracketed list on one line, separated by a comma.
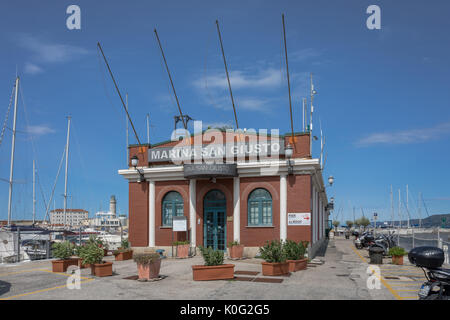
[(289, 84), (118, 91), (171, 82), (228, 77)]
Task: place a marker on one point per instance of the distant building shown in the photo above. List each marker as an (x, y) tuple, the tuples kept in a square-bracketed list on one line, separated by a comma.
[(73, 217), (109, 219)]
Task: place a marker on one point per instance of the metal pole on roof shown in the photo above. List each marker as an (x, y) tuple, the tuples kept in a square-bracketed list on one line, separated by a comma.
[(228, 77), (171, 82), (288, 81), (118, 92), (126, 123)]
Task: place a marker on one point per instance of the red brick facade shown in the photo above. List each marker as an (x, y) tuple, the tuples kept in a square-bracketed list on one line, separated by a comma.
[(299, 200)]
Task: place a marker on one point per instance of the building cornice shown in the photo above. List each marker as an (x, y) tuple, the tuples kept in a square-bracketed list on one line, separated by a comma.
[(245, 169)]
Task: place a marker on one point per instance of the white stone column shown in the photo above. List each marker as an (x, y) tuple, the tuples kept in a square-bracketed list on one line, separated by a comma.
[(151, 222), (193, 211), (237, 209), (283, 207)]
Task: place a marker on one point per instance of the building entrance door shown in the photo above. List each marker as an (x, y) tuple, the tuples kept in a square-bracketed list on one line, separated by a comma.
[(214, 220)]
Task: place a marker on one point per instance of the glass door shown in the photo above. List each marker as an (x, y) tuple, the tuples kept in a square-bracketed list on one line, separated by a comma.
[(215, 229)]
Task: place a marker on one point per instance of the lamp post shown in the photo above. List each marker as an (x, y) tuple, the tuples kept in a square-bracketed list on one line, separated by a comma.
[(134, 163), (288, 153)]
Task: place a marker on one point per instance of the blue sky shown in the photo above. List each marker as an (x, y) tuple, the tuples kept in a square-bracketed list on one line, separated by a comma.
[(383, 95)]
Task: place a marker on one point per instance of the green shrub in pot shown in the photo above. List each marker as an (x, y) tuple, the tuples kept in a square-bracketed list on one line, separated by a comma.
[(212, 257), (63, 250), (273, 251)]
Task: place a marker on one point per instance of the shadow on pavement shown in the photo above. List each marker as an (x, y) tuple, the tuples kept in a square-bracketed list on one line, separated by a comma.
[(323, 249), (4, 287)]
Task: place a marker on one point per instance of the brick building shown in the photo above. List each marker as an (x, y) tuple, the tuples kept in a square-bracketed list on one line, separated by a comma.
[(248, 187)]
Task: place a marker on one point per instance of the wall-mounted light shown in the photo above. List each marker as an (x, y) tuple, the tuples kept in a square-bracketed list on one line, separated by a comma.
[(288, 153), (331, 180), (134, 163)]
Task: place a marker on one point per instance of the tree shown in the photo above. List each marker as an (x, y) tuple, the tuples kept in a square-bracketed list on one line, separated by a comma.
[(363, 221), (336, 224), (349, 224)]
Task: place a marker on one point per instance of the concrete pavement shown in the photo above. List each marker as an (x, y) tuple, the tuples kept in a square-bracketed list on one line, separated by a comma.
[(342, 276)]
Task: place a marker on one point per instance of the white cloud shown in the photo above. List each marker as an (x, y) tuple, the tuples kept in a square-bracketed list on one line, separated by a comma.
[(266, 78), (31, 68), (406, 136), (39, 130), (49, 52)]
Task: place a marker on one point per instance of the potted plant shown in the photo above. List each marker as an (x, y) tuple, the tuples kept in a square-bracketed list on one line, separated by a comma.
[(77, 252), (213, 269), (275, 259), (124, 252), (92, 254), (295, 255), (236, 250), (397, 254), (148, 265), (182, 249), (63, 251)]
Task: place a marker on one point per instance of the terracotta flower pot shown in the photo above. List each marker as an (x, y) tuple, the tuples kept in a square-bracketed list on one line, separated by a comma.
[(182, 250), (297, 265), (81, 265), (62, 265), (222, 272), (102, 269), (149, 271), (397, 260), (126, 255), (237, 251), (275, 268)]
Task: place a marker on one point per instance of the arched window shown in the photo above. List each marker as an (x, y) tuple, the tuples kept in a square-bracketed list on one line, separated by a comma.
[(172, 205), (260, 208)]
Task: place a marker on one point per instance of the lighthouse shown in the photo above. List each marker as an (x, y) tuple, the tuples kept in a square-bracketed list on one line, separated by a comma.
[(112, 205)]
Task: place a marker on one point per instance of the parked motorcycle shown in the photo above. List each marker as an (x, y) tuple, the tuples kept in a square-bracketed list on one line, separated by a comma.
[(430, 259), (365, 240), (385, 242)]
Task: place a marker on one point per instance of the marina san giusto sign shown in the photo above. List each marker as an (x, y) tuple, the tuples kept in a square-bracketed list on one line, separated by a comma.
[(186, 154)]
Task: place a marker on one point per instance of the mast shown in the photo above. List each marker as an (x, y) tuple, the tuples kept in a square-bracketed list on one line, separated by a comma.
[(126, 123), (228, 77), (420, 210), (304, 113), (407, 206), (313, 92), (67, 164), (392, 207), (399, 208), (13, 144), (288, 81), (171, 82), (148, 128), (34, 191)]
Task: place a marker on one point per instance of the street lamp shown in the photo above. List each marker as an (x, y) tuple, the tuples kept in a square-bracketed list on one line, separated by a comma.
[(134, 163), (331, 180), (288, 153)]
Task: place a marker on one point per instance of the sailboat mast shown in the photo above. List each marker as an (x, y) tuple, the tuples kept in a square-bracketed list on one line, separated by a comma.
[(148, 128), (34, 191), (126, 123), (67, 165), (392, 208), (13, 144)]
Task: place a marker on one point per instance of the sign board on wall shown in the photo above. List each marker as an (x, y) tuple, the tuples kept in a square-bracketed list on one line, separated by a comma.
[(299, 219), (179, 223)]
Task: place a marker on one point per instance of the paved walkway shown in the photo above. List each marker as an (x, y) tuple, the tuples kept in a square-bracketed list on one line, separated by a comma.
[(343, 276)]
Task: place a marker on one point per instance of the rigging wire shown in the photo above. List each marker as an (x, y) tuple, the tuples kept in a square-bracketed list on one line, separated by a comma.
[(7, 114), (54, 185)]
